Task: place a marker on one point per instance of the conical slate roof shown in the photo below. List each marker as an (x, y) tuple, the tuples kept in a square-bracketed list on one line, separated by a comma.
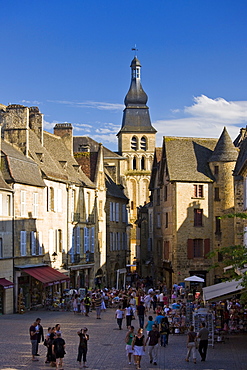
[(224, 151)]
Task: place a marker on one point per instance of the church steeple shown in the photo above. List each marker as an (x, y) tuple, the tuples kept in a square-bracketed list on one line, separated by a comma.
[(136, 113)]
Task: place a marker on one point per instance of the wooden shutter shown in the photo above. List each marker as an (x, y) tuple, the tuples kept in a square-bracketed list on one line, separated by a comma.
[(23, 243), (190, 249), (33, 243), (206, 247)]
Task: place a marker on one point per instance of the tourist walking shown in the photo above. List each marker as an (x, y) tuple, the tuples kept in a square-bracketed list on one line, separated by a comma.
[(141, 313), (149, 324), (33, 332), (58, 349), (164, 331), (191, 344), (203, 345), (153, 344), (82, 349), (87, 303), (97, 302), (128, 340), (128, 314), (138, 345), (119, 315), (40, 334), (46, 343)]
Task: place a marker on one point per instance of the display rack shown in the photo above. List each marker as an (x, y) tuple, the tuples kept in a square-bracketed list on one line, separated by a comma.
[(21, 305), (202, 315)]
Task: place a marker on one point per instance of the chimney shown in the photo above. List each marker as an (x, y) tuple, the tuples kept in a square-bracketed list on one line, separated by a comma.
[(65, 131)]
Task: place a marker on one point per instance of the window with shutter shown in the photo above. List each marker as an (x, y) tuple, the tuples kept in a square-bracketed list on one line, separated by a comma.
[(23, 246), (111, 241), (33, 243), (40, 247), (23, 203), (35, 205), (86, 248), (111, 211), (59, 201), (117, 212), (92, 239), (78, 243)]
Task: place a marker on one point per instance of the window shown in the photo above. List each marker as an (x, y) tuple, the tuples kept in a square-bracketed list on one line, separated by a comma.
[(124, 213), (111, 241), (165, 193), (86, 239), (8, 205), (50, 199), (132, 205), (51, 241), (198, 248), (216, 170), (40, 243), (134, 143), (134, 163), (117, 212), (143, 163), (33, 243), (158, 220), (198, 213), (23, 203), (198, 191), (166, 220), (23, 243), (92, 241), (143, 143), (217, 225), (35, 205), (217, 194)]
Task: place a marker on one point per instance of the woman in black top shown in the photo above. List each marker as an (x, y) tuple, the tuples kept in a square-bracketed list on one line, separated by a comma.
[(138, 345)]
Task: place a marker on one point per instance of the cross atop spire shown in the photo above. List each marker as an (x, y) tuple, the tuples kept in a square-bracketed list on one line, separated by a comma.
[(135, 50)]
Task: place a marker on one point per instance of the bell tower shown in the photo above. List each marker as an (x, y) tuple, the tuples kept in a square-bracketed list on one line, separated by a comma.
[(136, 142)]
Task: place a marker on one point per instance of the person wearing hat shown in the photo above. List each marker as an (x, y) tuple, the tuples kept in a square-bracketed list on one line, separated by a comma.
[(82, 349)]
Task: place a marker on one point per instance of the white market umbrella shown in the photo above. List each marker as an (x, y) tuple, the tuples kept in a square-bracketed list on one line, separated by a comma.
[(194, 278)]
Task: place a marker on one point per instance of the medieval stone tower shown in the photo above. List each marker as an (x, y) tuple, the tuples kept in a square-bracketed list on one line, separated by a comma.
[(136, 142)]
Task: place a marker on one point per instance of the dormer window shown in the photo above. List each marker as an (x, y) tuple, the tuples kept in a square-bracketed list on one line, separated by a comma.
[(134, 143)]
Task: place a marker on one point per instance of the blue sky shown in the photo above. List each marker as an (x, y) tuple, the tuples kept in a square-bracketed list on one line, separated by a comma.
[(72, 58)]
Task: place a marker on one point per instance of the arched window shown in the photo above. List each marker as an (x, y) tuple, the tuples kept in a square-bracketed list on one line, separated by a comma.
[(143, 143), (134, 163), (143, 163), (134, 143)]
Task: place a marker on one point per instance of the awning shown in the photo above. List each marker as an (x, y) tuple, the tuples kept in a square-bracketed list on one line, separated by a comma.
[(47, 275), (6, 284), (222, 290)]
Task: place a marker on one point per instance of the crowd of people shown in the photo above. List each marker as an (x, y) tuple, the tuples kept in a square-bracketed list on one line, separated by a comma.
[(156, 313)]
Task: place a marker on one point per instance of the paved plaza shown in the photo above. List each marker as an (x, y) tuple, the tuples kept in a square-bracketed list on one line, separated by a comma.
[(106, 345)]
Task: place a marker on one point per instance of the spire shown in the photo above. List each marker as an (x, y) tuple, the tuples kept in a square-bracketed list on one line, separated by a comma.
[(224, 150), (136, 113)]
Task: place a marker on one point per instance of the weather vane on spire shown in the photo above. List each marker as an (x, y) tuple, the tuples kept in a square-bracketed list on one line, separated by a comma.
[(135, 50)]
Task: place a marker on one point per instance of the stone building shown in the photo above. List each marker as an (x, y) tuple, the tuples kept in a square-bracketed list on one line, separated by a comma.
[(102, 167), (191, 187), (51, 207)]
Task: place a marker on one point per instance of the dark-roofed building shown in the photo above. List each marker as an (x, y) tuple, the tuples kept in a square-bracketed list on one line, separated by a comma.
[(54, 207), (191, 187)]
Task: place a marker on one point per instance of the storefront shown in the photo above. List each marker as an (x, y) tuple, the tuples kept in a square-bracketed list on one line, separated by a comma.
[(81, 276), (40, 286), (6, 296)]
